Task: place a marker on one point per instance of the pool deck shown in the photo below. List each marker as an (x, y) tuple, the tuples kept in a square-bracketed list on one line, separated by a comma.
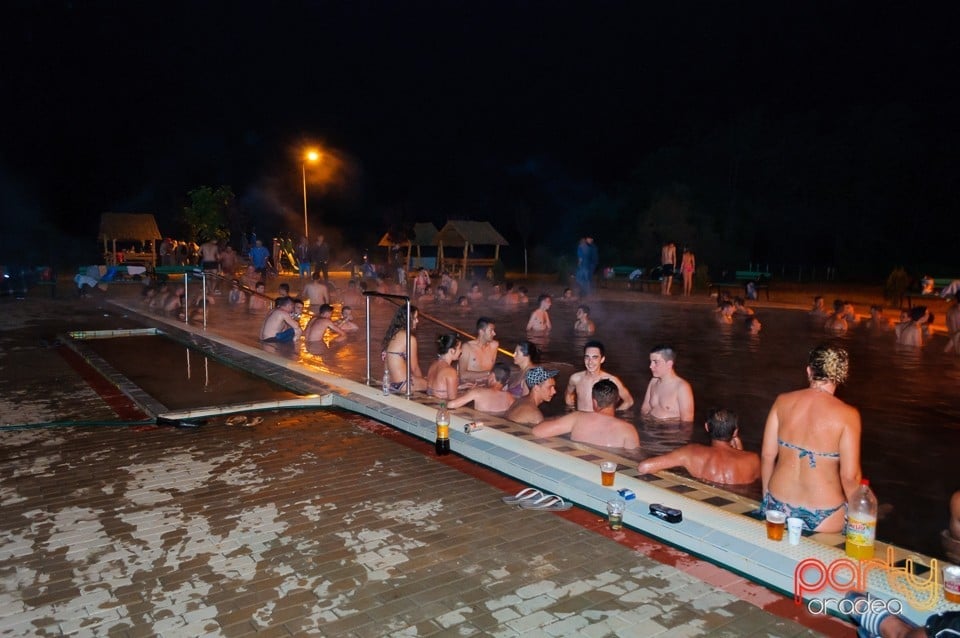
[(273, 530)]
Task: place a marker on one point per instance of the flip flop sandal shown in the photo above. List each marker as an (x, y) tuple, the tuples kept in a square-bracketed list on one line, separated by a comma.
[(549, 503), (238, 419), (257, 420), (526, 494)]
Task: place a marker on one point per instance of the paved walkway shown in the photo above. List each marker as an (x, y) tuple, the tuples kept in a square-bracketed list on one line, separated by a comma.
[(313, 522)]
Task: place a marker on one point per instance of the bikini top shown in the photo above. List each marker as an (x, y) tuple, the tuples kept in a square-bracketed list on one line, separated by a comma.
[(810, 454)]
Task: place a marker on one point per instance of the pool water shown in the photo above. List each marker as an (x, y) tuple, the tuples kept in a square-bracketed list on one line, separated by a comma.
[(907, 398)]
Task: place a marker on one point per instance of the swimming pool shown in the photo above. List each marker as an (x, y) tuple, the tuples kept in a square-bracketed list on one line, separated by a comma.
[(906, 398)]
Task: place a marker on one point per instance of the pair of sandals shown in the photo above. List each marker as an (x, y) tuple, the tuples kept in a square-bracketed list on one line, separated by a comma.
[(533, 499), (242, 421)]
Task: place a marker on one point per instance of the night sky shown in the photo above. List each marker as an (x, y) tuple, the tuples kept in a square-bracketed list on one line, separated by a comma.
[(721, 125)]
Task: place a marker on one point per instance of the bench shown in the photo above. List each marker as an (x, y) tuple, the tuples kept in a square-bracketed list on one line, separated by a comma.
[(628, 274), (939, 283), (761, 281)]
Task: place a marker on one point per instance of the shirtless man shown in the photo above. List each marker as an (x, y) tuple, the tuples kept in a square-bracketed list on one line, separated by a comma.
[(818, 310), (584, 324), (580, 387), (258, 301), (346, 322), (668, 396), (597, 427), (723, 461), (318, 326), (493, 399), (316, 291), (279, 326), (668, 264), (228, 262), (479, 355), (543, 388), (836, 322), (540, 318), (510, 296), (210, 260)]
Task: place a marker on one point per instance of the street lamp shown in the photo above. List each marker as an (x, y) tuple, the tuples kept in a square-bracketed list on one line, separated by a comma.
[(310, 156)]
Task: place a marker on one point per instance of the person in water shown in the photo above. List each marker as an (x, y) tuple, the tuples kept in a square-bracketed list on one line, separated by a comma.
[(479, 355), (395, 355), (280, 326), (579, 388), (600, 426), (810, 457), (443, 381), (723, 461), (494, 398), (525, 356), (668, 396), (543, 387)]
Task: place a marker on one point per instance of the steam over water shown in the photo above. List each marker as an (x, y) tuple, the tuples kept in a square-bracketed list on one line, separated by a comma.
[(907, 399)]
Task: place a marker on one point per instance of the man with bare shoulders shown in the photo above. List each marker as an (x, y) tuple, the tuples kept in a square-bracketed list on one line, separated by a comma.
[(543, 388), (723, 461), (668, 265), (228, 262), (479, 355), (321, 323), (316, 291), (953, 326), (580, 387), (668, 395), (492, 399), (279, 326), (597, 427)]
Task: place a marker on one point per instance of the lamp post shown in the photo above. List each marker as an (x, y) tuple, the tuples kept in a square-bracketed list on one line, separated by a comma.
[(311, 156)]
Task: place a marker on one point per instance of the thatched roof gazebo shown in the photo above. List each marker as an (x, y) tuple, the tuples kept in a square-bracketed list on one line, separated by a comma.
[(423, 234), (468, 235), (139, 228)]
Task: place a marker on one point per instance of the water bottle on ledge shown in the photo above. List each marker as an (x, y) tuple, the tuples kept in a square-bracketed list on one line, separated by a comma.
[(861, 522), (442, 445), (386, 381)]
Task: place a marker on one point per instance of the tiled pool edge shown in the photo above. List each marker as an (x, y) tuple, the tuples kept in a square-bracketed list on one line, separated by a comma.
[(731, 540)]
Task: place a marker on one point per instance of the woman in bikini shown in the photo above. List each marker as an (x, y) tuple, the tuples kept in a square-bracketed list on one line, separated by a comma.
[(443, 380), (395, 355), (810, 459)]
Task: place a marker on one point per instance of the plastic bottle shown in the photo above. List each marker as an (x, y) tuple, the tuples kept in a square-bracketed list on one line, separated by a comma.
[(386, 381), (861, 522), (442, 445)]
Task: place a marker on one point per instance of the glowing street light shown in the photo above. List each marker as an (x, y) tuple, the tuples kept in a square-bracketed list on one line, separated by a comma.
[(310, 156)]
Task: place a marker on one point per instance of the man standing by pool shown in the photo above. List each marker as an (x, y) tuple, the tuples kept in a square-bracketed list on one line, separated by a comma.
[(479, 355), (668, 396), (668, 264), (723, 461)]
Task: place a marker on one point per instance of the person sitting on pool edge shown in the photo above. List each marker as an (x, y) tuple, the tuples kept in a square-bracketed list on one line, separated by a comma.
[(543, 387), (723, 461), (599, 427), (279, 326)]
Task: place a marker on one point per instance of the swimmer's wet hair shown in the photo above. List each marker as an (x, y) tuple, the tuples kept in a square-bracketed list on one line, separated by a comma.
[(605, 393), (501, 372), (829, 363), (483, 322), (446, 343), (722, 423), (664, 351), (595, 344), (529, 349)]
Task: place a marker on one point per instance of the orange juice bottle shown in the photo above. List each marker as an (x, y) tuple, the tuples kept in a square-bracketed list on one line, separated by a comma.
[(861, 522)]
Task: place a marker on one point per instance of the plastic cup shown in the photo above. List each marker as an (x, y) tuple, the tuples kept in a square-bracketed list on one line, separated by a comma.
[(608, 470), (776, 521), (794, 530), (615, 509), (951, 584)]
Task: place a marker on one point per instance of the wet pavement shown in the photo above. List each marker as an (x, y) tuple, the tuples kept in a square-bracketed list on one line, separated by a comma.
[(314, 522)]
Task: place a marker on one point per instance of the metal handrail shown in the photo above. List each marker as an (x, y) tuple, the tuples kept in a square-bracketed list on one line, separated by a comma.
[(406, 300)]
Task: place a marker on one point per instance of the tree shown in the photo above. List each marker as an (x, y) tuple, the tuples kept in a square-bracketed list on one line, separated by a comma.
[(206, 216)]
